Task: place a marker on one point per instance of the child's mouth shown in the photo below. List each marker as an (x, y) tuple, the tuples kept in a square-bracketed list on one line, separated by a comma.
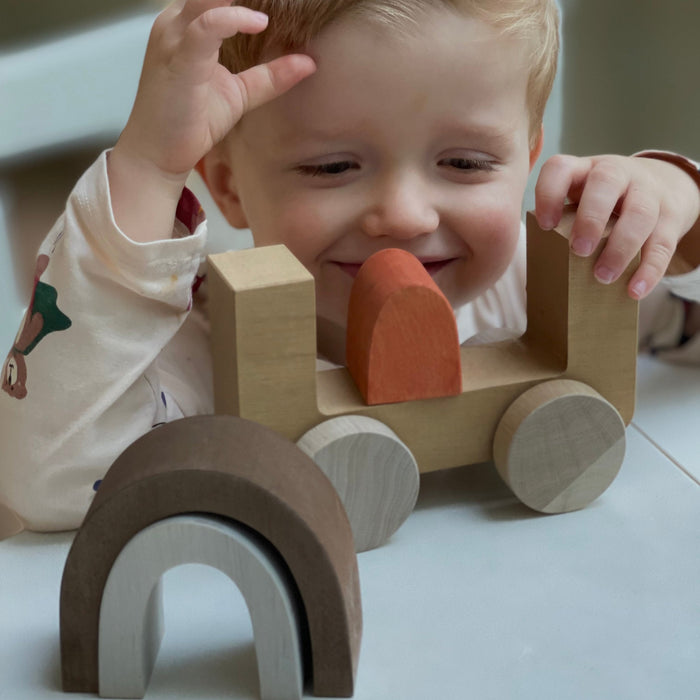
[(432, 267)]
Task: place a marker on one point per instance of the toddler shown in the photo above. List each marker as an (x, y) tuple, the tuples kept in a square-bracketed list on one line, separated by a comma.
[(342, 128)]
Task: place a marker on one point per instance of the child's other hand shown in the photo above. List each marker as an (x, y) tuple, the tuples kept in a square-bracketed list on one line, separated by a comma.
[(656, 201), (185, 104), (186, 101)]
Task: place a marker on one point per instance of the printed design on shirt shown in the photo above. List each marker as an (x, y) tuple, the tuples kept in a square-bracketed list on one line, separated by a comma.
[(189, 211), (42, 317), (190, 214)]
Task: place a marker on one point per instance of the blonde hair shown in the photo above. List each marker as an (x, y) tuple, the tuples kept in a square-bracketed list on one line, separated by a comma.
[(295, 23)]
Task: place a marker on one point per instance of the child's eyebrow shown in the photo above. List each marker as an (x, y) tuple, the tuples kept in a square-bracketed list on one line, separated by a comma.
[(296, 134), (494, 135), (490, 134), (493, 138)]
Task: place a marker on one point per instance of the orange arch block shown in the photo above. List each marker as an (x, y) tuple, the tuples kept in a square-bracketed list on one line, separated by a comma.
[(402, 341)]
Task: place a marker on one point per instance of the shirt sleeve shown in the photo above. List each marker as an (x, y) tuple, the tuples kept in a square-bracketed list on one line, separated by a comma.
[(82, 380), (665, 313)]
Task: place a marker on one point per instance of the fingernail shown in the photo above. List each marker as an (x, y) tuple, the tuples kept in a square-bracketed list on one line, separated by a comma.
[(582, 247), (261, 16), (639, 289), (546, 222), (604, 275)]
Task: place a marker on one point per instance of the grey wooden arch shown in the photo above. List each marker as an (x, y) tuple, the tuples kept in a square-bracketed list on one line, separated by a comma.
[(131, 617)]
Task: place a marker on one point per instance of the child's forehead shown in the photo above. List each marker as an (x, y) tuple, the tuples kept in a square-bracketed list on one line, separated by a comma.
[(454, 51), (427, 20), (473, 81)]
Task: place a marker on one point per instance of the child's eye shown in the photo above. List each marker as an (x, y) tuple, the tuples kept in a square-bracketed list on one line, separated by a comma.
[(328, 168), (467, 164)]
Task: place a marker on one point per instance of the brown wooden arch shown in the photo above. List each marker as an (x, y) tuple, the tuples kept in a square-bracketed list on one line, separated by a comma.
[(234, 468)]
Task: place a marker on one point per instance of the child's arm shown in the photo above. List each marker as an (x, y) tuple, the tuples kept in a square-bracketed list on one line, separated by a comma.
[(186, 103), (108, 348), (658, 205)]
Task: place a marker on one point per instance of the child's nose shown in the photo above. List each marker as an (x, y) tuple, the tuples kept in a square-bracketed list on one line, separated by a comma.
[(401, 208)]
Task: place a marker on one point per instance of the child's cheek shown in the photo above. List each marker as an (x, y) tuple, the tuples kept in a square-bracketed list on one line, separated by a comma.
[(496, 228), (304, 230)]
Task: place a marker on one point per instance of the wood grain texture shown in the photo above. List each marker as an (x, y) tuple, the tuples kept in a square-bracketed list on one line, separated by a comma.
[(228, 467), (559, 446), (373, 471), (131, 620), (402, 340), (263, 337), (591, 326)]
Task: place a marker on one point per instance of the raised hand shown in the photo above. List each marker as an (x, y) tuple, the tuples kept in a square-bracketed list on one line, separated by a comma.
[(186, 103)]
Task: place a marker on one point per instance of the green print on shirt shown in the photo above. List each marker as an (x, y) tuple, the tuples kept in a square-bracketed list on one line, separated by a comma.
[(45, 297), (43, 317)]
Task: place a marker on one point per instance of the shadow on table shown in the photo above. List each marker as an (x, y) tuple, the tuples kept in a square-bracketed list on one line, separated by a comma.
[(478, 487), (226, 672), (38, 540)]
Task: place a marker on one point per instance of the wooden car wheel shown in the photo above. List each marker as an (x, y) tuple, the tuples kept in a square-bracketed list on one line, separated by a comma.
[(373, 472), (559, 446)]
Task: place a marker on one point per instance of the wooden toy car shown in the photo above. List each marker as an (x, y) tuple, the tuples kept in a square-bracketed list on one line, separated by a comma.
[(549, 408)]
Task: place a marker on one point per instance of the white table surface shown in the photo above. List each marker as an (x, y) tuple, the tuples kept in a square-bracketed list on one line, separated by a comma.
[(474, 597), (668, 411)]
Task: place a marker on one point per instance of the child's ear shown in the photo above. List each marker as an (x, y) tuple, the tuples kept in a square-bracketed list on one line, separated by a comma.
[(536, 150), (218, 177)]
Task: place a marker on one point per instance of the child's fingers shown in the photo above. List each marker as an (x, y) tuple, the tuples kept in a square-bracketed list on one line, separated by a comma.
[(205, 33), (605, 185), (656, 256), (172, 22), (558, 177), (191, 9), (263, 83), (639, 219)]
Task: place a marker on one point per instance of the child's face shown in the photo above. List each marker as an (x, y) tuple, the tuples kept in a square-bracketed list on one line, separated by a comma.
[(417, 142)]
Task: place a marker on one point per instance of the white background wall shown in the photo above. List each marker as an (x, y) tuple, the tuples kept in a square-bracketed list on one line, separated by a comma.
[(631, 76)]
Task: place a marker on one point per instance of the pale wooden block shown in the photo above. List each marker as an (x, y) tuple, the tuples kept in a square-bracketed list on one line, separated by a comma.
[(373, 472), (130, 626), (591, 327), (263, 336), (559, 446)]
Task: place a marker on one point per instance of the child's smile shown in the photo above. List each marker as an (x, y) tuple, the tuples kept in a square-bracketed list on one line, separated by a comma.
[(431, 266), (416, 140)]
